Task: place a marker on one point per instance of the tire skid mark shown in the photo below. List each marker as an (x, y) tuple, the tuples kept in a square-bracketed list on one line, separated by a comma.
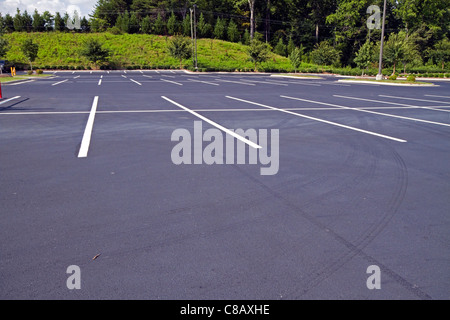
[(354, 248)]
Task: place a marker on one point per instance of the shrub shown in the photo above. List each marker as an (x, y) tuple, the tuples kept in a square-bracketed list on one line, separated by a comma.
[(29, 72), (393, 77), (39, 71), (411, 78)]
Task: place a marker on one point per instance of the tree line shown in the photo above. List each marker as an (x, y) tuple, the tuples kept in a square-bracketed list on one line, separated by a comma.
[(330, 32)]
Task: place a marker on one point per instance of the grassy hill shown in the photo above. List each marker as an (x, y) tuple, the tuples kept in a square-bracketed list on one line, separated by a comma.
[(63, 51)]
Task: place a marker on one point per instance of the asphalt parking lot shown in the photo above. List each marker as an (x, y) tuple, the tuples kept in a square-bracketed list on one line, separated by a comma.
[(359, 177)]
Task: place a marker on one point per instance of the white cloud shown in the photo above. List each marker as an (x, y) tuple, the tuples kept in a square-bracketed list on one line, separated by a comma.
[(84, 7)]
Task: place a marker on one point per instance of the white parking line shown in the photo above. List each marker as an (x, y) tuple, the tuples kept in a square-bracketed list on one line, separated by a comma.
[(404, 98), (54, 84), (265, 82), (300, 83), (397, 104), (218, 126), (123, 76), (206, 82), (362, 110), (320, 120), (99, 81), (15, 84), (7, 100), (165, 110), (88, 130), (76, 77), (136, 82), (431, 95), (180, 84), (147, 76), (239, 82)]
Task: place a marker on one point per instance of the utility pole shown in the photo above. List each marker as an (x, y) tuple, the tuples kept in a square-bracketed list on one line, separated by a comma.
[(195, 38), (380, 63), (192, 37)]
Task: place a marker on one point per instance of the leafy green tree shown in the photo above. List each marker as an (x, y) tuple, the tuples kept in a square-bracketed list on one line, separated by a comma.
[(318, 11), (180, 48), (440, 54), (94, 52), (364, 57), (233, 32), (434, 14), (258, 52), (30, 51), (296, 58), (324, 54), (399, 48)]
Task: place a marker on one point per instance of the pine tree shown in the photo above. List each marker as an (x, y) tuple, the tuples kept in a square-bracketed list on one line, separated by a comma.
[(364, 56), (160, 25), (233, 32), (204, 28), (172, 27), (133, 24), (296, 58), (146, 25), (280, 48), (38, 22), (219, 29), (186, 26)]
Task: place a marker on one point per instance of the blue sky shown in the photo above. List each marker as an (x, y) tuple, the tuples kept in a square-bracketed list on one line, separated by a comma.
[(84, 7)]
